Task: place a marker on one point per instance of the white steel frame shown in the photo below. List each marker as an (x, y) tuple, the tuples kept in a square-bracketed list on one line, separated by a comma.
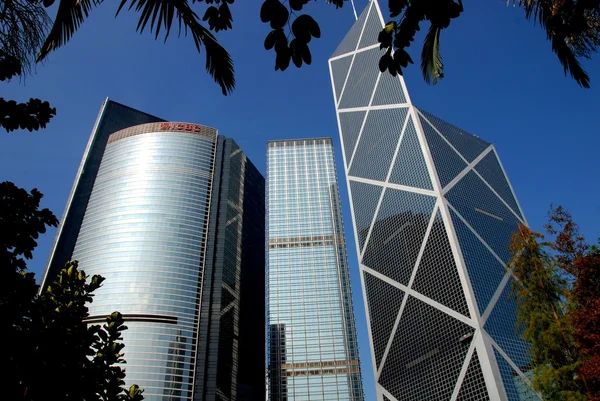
[(482, 341)]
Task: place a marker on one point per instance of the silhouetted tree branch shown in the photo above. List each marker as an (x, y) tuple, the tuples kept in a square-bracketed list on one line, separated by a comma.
[(33, 115), (572, 26)]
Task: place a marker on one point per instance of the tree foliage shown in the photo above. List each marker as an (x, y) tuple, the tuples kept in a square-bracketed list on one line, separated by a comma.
[(66, 346), (397, 34), (51, 353), (582, 262), (572, 26), (21, 223), (23, 26), (558, 293), (160, 15), (32, 115)]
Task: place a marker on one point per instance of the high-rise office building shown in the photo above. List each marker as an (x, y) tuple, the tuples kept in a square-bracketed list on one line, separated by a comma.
[(313, 352), (433, 214), (172, 215)]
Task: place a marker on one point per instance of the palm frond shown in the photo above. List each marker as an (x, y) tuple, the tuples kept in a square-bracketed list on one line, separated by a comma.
[(538, 10), (571, 31), (160, 14), (69, 17), (156, 15), (23, 27), (569, 62), (432, 66), (218, 62)]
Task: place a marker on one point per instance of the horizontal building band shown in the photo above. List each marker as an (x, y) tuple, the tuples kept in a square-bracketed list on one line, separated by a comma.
[(320, 372), (167, 127), (157, 169), (314, 240), (305, 244), (302, 365), (293, 142), (135, 318), (304, 239)]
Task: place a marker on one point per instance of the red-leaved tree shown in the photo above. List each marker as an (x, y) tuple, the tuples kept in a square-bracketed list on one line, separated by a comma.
[(557, 289), (582, 262)]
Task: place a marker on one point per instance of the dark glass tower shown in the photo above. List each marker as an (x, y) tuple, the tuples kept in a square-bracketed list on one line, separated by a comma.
[(313, 352), (172, 215), (433, 214)]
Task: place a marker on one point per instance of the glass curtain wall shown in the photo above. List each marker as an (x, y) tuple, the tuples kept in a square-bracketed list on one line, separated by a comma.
[(313, 353), (144, 230)]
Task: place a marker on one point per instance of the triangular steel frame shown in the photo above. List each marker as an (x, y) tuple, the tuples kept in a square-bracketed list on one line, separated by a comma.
[(482, 342)]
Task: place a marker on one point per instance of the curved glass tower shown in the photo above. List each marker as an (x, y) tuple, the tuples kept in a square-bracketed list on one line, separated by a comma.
[(172, 215), (145, 231)]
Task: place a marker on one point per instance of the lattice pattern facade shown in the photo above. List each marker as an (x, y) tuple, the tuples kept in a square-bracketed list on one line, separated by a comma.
[(433, 212)]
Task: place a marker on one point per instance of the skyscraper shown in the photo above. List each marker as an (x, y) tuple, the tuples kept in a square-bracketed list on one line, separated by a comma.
[(113, 117), (313, 352), (172, 215), (433, 213)]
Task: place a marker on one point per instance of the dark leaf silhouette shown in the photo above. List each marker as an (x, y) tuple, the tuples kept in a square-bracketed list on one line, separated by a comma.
[(572, 26), (23, 27), (10, 66), (69, 17), (302, 27), (32, 116), (284, 55), (296, 52), (300, 30), (396, 7), (53, 354), (274, 12), (297, 5)]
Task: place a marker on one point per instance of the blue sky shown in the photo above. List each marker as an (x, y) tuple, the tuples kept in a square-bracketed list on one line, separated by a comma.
[(502, 83)]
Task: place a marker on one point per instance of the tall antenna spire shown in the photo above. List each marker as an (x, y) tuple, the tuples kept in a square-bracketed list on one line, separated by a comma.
[(354, 9)]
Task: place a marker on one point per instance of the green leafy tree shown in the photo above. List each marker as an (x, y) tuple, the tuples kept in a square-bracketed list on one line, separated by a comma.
[(50, 352), (572, 26), (582, 262), (66, 346), (555, 292)]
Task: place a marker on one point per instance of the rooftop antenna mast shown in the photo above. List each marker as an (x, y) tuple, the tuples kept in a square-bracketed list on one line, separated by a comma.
[(354, 9)]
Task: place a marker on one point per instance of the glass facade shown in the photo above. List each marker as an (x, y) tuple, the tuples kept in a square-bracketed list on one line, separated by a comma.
[(433, 213), (313, 352), (174, 220), (113, 117), (145, 231), (231, 334)]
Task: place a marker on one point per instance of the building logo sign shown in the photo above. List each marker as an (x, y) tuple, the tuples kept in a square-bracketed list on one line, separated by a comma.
[(180, 127)]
